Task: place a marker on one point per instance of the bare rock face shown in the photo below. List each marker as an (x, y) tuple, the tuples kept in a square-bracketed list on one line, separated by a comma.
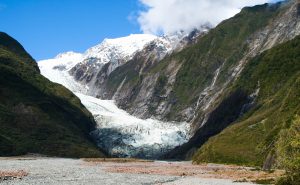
[(143, 84), (185, 78), (113, 70), (139, 86), (150, 85), (281, 28), (152, 94), (285, 26), (100, 61)]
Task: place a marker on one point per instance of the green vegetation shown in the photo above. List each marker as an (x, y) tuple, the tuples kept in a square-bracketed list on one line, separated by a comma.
[(161, 82), (223, 46), (264, 181), (288, 152), (270, 127), (127, 71), (36, 115)]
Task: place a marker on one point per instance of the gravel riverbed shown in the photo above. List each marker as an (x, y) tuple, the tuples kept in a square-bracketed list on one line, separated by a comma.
[(52, 171)]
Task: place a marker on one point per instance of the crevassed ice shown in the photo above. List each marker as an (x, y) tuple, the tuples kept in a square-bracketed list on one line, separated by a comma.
[(118, 132), (122, 134)]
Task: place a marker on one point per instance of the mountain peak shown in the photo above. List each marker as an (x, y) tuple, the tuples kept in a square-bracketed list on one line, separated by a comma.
[(124, 47), (67, 54)]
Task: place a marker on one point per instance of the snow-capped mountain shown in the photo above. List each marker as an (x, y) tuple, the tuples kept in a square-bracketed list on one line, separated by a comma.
[(64, 61), (57, 70), (87, 71), (100, 61), (118, 132), (113, 51), (119, 48)]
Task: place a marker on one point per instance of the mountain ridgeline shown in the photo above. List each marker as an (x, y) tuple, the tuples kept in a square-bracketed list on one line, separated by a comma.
[(235, 88), (266, 132), (198, 84), (228, 49), (36, 115), (240, 76)]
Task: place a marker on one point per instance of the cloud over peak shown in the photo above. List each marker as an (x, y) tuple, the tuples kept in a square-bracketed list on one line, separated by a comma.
[(168, 16)]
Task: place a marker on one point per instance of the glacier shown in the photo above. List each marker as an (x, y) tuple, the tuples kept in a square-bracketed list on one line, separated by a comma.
[(118, 133), (124, 135)]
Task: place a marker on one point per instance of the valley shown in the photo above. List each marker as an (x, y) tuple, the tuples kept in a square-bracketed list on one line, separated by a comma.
[(123, 135), (125, 171), (118, 133), (212, 105), (183, 84)]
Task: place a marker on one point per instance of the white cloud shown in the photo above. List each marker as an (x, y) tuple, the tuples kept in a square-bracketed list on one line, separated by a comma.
[(167, 16)]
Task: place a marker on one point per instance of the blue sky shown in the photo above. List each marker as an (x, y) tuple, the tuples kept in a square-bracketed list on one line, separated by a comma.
[(48, 27)]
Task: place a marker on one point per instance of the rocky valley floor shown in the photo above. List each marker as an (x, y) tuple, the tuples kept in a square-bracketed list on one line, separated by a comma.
[(42, 170)]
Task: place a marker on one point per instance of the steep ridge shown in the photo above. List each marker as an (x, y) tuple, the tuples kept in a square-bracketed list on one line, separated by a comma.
[(184, 86), (191, 82), (84, 67), (133, 85), (121, 134), (101, 60), (272, 81), (216, 61), (36, 115)]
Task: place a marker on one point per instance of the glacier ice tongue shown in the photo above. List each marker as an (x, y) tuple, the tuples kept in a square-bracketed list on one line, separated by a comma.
[(123, 135), (118, 133)]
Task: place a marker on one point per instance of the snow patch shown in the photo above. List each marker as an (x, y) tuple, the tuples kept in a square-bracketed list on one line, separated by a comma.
[(57, 69), (118, 133), (122, 47)]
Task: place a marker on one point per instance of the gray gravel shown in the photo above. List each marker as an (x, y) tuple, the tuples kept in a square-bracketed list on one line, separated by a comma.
[(52, 171)]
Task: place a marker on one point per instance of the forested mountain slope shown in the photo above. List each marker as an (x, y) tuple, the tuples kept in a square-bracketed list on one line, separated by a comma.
[(272, 82), (36, 115)]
